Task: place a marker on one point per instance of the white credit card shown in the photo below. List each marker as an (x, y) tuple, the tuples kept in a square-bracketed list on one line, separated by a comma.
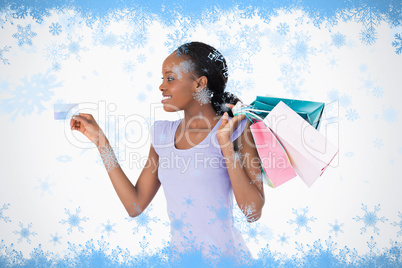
[(65, 110)]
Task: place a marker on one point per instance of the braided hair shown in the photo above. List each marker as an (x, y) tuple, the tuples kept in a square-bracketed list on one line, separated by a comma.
[(210, 63)]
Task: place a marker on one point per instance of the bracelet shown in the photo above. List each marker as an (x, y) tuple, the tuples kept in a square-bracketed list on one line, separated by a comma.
[(108, 157), (106, 152), (97, 138)]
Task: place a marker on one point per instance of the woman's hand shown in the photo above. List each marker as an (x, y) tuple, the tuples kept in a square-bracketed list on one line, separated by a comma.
[(226, 128), (86, 124)]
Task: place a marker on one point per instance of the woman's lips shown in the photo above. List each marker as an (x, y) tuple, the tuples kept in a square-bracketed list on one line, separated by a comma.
[(165, 99)]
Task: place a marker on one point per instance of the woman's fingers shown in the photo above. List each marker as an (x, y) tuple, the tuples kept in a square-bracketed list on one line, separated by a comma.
[(86, 116), (225, 118)]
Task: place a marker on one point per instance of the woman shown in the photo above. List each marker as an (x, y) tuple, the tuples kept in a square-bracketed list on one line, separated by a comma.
[(215, 156)]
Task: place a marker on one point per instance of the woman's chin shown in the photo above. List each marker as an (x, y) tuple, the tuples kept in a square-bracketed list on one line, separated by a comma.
[(170, 108)]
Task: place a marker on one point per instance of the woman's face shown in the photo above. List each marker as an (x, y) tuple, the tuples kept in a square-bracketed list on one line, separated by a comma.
[(178, 83)]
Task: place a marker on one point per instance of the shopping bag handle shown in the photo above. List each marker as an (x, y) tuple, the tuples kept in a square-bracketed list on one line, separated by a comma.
[(239, 108)]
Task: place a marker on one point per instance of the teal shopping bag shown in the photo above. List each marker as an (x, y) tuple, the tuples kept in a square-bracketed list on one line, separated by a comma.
[(310, 111)]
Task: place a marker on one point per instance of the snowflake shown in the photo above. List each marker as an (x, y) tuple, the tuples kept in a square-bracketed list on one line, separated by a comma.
[(378, 143), (276, 40), (6, 15), (141, 39), (363, 68), (44, 186), (5, 49), (236, 157), (54, 52), (370, 219), (325, 48), (6, 219), (243, 217), (187, 66), (108, 227), (249, 37), (291, 78), (109, 40), (56, 66), (99, 34), (338, 39), (144, 243), (64, 158), (24, 35), (333, 95), (141, 58), (149, 74), (222, 214), (333, 63), (188, 201), (129, 66), (30, 95), (143, 219), (108, 157), (371, 245), (253, 231), (378, 91), (336, 227), (74, 220), (235, 87), (283, 239), (175, 40), (352, 114), (55, 28), (282, 28), (55, 239), (141, 97), (399, 224), (390, 115), (25, 232), (203, 96), (183, 49), (299, 49), (368, 36), (258, 178), (368, 83), (301, 219), (177, 224), (397, 43), (235, 55), (74, 48), (395, 251)]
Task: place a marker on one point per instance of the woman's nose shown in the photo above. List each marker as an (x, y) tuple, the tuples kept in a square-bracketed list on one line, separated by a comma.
[(162, 85)]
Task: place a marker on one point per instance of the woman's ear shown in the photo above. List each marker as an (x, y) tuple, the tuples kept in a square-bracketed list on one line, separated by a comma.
[(202, 82)]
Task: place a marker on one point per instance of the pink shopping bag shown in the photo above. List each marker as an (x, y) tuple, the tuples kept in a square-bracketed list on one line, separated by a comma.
[(274, 161), (309, 151)]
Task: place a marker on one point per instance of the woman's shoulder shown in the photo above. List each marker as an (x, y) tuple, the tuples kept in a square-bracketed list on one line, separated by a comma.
[(162, 124), (161, 130)]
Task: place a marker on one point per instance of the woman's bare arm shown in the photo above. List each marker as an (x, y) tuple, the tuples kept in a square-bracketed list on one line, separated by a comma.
[(135, 198), (243, 166)]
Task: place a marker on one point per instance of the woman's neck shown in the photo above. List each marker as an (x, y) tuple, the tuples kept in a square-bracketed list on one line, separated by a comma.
[(203, 117)]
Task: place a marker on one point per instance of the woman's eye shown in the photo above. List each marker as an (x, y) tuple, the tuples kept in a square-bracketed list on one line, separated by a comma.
[(170, 78)]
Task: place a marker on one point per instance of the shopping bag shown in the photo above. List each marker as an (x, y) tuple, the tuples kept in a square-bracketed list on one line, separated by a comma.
[(309, 151), (274, 161), (309, 110)]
